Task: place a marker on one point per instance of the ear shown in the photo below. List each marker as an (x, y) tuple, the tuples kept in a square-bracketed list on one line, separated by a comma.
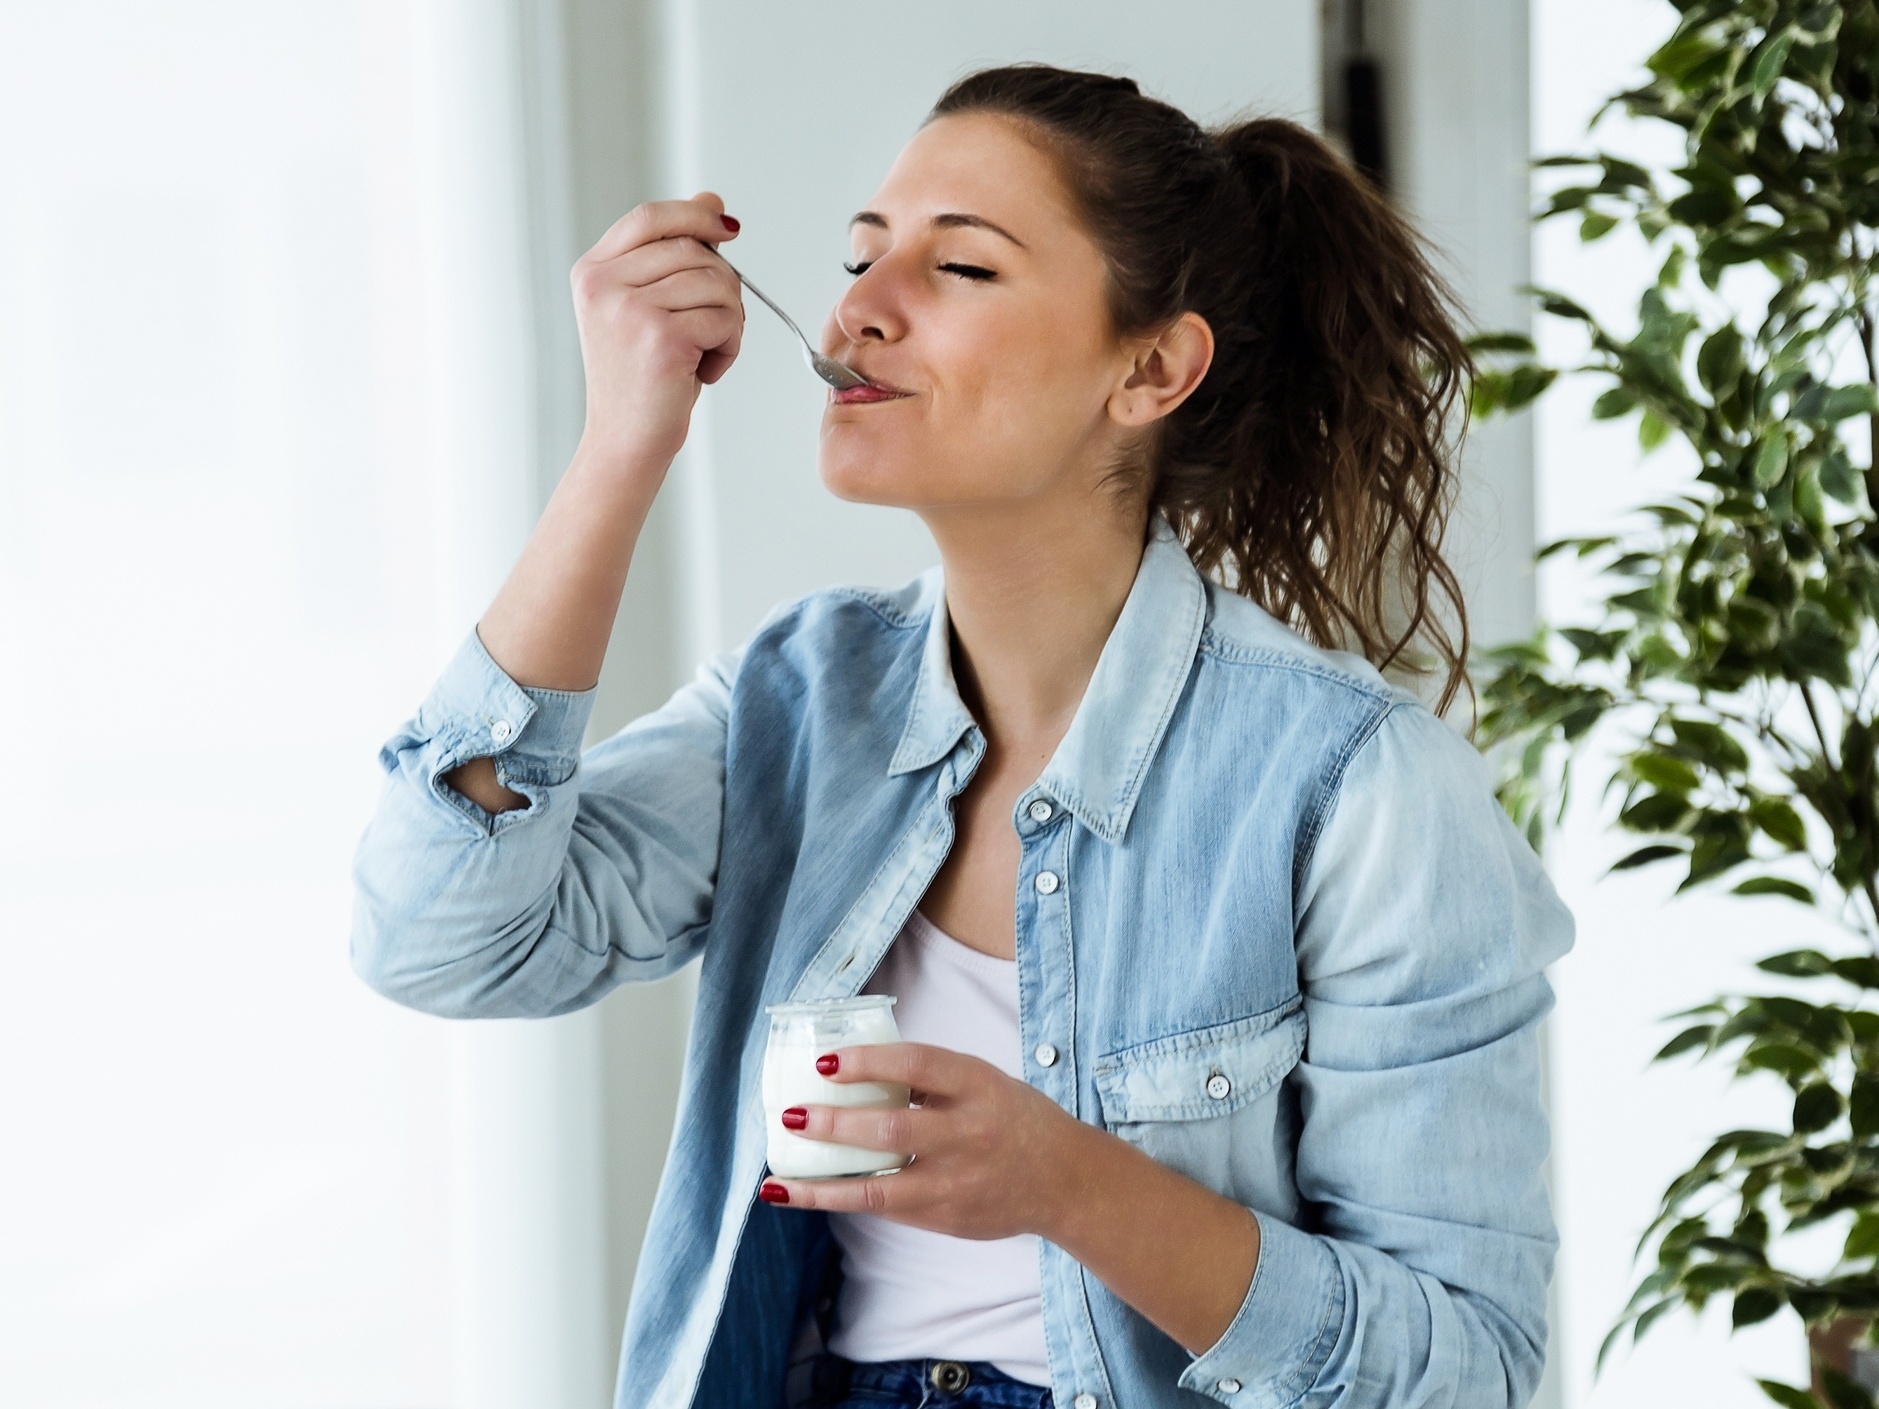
[(1163, 372)]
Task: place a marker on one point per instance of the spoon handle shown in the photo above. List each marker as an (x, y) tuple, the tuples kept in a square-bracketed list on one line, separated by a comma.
[(769, 303)]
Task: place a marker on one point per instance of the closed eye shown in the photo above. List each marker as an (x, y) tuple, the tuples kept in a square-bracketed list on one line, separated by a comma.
[(964, 271)]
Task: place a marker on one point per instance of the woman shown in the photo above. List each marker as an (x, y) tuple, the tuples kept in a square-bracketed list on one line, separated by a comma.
[(1225, 971)]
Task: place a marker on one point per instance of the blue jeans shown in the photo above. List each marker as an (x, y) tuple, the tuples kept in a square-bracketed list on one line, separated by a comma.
[(920, 1384)]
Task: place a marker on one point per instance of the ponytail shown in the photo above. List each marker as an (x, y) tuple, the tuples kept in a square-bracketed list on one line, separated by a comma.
[(1312, 469)]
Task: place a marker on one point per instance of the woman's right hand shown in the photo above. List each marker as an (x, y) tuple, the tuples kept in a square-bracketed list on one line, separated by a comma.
[(660, 317)]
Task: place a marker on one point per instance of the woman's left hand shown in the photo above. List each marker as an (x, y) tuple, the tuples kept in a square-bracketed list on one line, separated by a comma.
[(988, 1151)]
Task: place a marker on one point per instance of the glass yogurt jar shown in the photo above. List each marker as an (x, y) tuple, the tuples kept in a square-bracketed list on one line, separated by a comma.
[(799, 1033)]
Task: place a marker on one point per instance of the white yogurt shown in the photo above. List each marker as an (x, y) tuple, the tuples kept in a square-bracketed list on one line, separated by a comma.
[(799, 1033)]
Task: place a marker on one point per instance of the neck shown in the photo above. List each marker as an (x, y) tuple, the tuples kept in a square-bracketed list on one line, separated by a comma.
[(1032, 593)]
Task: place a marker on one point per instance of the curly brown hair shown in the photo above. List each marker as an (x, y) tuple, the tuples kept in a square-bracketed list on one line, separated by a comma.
[(1313, 468)]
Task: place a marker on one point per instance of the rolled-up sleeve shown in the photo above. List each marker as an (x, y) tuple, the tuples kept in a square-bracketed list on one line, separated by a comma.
[(605, 876), (1419, 1276)]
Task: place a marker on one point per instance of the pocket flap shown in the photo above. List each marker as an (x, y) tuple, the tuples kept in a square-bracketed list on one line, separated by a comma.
[(1207, 1072)]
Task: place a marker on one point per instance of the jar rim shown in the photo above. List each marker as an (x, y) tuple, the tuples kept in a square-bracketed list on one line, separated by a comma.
[(818, 1007)]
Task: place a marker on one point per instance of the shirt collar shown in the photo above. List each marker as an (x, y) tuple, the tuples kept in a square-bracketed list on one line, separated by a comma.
[(1098, 769)]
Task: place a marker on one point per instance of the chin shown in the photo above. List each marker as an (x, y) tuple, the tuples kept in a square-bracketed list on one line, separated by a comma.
[(868, 479)]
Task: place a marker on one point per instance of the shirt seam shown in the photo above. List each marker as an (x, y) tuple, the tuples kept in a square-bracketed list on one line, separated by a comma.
[(1332, 791), (1214, 645)]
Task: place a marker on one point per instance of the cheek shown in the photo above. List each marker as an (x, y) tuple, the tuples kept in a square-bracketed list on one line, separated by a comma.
[(1008, 404)]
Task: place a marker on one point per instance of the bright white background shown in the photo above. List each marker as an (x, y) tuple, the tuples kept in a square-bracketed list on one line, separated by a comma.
[(223, 1176)]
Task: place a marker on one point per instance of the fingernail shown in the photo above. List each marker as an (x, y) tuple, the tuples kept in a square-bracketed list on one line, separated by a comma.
[(828, 1064), (730, 224), (795, 1118), (773, 1192)]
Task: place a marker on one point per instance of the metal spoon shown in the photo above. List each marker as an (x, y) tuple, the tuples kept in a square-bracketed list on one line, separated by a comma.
[(834, 373)]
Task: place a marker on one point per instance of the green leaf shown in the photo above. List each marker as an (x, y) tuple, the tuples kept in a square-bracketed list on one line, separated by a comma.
[(1771, 461), (1797, 963), (1755, 1304), (1774, 885), (1769, 64), (1863, 1107), (1778, 820), (1862, 970), (1596, 225), (1653, 430), (1644, 855), (1562, 307), (1501, 342), (1719, 361), (1663, 772), (1862, 1240), (1844, 401), (1619, 401), (1705, 206), (1816, 1106), (1782, 1058), (1655, 812), (1711, 743), (1681, 54), (1787, 1396), (1838, 477), (1690, 1037)]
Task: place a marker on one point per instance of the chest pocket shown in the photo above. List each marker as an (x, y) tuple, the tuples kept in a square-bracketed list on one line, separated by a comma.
[(1206, 1103)]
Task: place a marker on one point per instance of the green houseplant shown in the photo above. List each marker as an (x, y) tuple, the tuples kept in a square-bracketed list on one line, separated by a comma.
[(1732, 670)]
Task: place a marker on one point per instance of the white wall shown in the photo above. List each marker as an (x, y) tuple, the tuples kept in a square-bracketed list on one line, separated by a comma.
[(1456, 100)]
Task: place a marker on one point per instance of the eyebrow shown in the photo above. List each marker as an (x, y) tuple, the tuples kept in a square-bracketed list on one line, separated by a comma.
[(948, 220)]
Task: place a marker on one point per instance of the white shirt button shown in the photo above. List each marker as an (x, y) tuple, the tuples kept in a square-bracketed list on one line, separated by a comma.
[(1040, 811), (1083, 1401), (501, 730), (1046, 1055), (1219, 1087), (1046, 882), (1228, 1386)]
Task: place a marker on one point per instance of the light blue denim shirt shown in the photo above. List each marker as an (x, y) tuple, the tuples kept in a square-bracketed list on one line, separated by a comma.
[(1272, 928)]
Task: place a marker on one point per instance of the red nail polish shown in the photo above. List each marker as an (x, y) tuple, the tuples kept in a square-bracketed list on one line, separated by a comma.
[(795, 1118), (773, 1192), (828, 1064), (730, 224)]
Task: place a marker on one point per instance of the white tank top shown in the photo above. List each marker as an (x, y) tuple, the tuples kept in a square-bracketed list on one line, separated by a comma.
[(908, 1294)]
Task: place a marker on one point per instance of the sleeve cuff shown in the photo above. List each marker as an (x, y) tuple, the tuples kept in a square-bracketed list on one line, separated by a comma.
[(1285, 1330), (475, 710)]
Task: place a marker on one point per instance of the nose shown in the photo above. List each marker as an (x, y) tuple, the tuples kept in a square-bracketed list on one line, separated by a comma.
[(870, 312)]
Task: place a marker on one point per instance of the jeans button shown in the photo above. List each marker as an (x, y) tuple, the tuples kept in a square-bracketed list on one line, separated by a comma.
[(949, 1376)]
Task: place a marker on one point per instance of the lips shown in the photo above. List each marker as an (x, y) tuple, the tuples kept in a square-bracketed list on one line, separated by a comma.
[(866, 395)]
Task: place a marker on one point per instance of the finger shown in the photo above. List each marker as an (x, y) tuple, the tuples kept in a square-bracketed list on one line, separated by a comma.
[(899, 1130), (694, 288), (711, 330), (938, 1071), (649, 263), (881, 1194), (702, 218)]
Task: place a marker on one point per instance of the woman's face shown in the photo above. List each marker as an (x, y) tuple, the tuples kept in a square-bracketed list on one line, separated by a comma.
[(980, 306)]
